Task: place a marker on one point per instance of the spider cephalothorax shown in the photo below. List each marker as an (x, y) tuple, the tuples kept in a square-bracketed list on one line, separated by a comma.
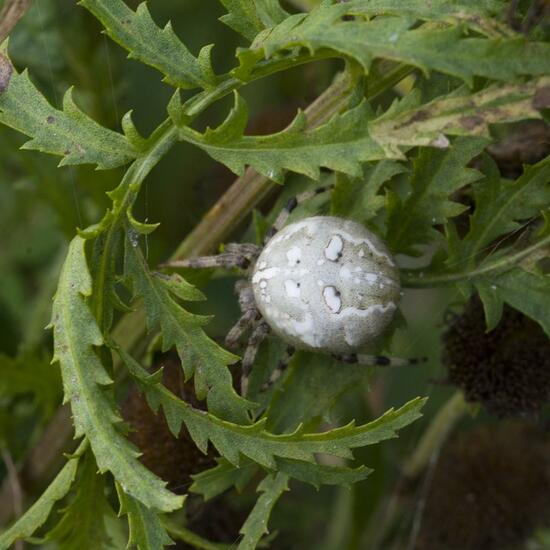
[(323, 283)]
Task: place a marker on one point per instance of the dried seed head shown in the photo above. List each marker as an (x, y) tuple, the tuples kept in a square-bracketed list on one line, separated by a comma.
[(326, 284), (506, 369), (173, 459), (490, 489)]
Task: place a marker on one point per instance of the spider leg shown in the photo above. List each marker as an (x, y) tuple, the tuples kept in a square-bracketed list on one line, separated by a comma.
[(235, 255), (245, 321), (280, 369), (257, 337), (221, 260), (292, 203), (379, 360)]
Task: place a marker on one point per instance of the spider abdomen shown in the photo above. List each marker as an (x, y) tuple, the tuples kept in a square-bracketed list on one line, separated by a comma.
[(326, 284)]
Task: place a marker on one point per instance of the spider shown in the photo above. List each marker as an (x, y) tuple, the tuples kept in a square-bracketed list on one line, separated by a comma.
[(324, 284)]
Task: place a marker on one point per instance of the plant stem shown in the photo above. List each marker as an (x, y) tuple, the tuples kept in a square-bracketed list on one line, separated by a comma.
[(429, 446), (10, 14), (421, 279), (185, 535), (436, 434)]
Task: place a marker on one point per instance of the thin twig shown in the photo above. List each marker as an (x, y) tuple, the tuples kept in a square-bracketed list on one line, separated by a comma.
[(15, 489), (425, 452), (44, 459), (12, 11)]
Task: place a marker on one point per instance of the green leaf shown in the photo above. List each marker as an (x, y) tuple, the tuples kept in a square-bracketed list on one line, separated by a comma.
[(427, 47), (201, 357), (436, 175), (502, 206), (347, 140), (68, 133), (223, 476), (233, 440), (76, 340), (250, 17), (358, 198), (146, 529), (160, 48), (272, 487), (479, 15), (322, 474), (38, 513), (292, 406), (523, 290), (83, 522)]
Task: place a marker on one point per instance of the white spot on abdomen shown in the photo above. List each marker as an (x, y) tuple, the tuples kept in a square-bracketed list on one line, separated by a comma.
[(333, 251), (293, 256), (292, 288), (265, 274), (332, 299)]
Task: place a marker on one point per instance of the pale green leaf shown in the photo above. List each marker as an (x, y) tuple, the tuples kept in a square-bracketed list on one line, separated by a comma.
[(38, 513), (76, 340), (145, 41), (82, 525), (201, 357), (437, 48), (460, 115), (146, 529), (68, 133), (272, 487), (250, 17)]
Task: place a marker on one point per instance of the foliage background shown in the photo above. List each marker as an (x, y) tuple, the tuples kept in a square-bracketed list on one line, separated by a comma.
[(41, 205)]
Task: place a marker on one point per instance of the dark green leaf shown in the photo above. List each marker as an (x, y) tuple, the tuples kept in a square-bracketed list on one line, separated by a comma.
[(250, 17), (146, 529), (161, 48), (82, 525), (436, 175), (427, 47), (272, 487)]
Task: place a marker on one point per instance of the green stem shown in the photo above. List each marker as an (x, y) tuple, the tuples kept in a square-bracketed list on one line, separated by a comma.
[(421, 279), (430, 444), (185, 535), (163, 139), (436, 434)]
